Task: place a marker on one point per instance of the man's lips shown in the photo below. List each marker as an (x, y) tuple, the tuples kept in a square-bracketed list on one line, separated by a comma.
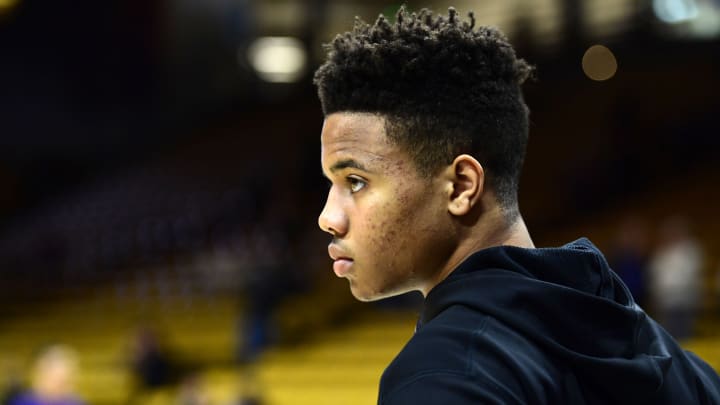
[(342, 267), (336, 253), (343, 263)]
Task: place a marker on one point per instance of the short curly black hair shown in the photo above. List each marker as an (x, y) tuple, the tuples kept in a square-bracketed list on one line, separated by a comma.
[(442, 86)]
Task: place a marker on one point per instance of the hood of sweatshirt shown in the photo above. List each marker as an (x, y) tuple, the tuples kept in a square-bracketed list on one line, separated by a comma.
[(569, 302)]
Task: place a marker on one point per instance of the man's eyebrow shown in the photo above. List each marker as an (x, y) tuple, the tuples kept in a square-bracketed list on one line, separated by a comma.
[(347, 163)]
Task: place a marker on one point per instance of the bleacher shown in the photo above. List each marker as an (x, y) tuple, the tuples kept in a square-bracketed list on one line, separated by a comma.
[(343, 363)]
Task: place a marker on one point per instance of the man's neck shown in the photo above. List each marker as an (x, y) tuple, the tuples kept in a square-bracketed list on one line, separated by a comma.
[(493, 231)]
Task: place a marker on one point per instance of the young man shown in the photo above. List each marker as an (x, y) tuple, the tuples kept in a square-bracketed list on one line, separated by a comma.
[(423, 141)]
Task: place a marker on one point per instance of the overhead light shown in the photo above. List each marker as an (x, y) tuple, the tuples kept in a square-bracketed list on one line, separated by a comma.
[(278, 59), (675, 11)]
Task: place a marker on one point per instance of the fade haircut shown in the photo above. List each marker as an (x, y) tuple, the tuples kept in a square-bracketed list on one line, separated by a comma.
[(443, 88)]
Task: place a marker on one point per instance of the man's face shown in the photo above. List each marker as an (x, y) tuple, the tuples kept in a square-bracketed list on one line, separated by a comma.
[(391, 228)]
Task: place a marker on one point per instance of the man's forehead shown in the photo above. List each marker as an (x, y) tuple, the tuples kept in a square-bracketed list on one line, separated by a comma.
[(354, 136), (359, 140), (353, 127)]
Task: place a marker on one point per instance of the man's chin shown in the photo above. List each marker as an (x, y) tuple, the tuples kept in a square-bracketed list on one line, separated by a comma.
[(369, 296)]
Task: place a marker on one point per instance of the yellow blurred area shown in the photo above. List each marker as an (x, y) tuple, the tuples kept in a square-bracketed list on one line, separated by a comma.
[(341, 365)]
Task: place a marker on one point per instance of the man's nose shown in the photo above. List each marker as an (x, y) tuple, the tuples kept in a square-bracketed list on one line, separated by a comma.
[(332, 219)]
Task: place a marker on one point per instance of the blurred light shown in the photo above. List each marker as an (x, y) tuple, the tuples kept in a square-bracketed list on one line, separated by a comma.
[(707, 24), (675, 11), (278, 59), (7, 4), (599, 63)]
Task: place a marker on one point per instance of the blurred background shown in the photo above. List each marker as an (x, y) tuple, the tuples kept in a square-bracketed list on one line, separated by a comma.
[(160, 184)]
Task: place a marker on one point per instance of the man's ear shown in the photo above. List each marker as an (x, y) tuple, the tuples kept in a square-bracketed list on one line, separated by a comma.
[(467, 178)]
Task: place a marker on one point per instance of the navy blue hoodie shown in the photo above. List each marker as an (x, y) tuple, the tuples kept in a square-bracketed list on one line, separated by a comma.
[(541, 326)]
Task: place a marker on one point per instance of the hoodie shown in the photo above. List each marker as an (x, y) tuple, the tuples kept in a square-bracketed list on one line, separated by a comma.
[(541, 326)]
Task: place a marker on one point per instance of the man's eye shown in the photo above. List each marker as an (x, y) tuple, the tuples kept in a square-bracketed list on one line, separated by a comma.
[(356, 184)]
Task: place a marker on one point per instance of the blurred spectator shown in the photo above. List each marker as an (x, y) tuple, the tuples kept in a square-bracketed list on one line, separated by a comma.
[(717, 289), (192, 391), (150, 362), (675, 271), (248, 400), (12, 387), (53, 377), (269, 280), (249, 392), (629, 256)]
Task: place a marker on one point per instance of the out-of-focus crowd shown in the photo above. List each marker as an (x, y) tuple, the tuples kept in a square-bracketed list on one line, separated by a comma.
[(54, 369), (666, 270)]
